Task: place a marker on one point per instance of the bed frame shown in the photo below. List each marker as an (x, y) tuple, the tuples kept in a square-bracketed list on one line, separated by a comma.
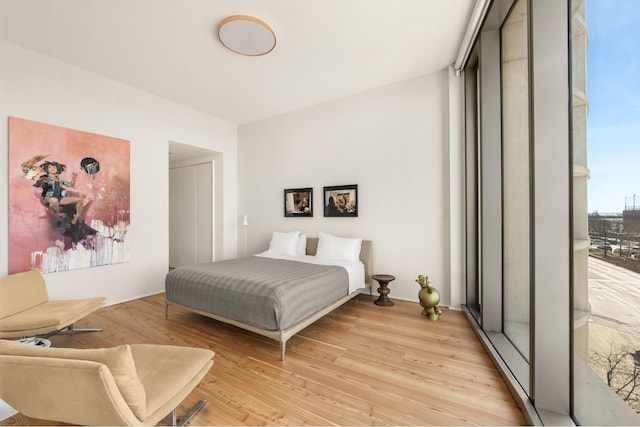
[(282, 336)]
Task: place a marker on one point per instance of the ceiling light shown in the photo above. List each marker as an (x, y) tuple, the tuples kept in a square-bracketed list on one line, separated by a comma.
[(247, 35)]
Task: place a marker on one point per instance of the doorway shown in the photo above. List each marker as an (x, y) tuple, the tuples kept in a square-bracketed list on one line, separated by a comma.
[(191, 205)]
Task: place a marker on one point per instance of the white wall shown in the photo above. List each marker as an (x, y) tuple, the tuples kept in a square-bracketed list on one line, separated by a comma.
[(39, 88), (394, 143)]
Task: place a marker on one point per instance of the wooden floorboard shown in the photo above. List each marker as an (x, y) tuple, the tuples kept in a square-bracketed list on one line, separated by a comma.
[(360, 365)]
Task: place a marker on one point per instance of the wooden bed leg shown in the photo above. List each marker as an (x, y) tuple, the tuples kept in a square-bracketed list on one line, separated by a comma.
[(166, 310), (283, 347)]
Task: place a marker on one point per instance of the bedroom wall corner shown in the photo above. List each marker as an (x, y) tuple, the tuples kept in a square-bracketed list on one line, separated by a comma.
[(393, 142)]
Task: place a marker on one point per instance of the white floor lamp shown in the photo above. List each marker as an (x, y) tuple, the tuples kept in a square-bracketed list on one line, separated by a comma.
[(245, 224)]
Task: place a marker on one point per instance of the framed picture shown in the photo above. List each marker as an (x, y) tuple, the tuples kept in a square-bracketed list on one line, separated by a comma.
[(341, 200), (298, 202)]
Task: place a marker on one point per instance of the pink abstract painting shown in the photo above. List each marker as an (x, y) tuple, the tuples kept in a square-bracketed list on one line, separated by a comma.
[(68, 198)]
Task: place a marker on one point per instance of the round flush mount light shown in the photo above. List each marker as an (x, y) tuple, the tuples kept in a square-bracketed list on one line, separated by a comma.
[(247, 35)]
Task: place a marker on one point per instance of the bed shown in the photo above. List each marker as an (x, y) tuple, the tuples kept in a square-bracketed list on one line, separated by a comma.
[(279, 292)]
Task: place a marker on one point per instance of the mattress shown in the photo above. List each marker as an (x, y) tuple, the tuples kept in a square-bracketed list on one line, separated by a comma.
[(267, 293)]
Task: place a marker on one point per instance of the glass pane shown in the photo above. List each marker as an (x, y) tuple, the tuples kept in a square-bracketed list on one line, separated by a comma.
[(606, 288), (471, 169), (516, 177)]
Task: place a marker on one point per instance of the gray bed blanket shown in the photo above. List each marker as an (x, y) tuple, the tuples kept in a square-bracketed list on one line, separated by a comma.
[(267, 293)]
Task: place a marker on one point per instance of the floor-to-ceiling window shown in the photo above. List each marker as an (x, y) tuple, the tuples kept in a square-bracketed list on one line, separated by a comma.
[(531, 292), (499, 184)]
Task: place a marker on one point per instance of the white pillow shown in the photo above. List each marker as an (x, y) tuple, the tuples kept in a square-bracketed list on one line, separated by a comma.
[(283, 243), (301, 246), (338, 248)]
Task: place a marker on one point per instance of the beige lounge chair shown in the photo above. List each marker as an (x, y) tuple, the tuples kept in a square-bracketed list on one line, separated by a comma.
[(137, 384), (26, 310)]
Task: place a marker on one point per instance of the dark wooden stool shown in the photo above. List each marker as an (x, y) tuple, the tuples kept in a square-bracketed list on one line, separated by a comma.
[(383, 290)]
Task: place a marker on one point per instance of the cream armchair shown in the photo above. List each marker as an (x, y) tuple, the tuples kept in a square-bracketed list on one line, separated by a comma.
[(26, 310), (137, 384)]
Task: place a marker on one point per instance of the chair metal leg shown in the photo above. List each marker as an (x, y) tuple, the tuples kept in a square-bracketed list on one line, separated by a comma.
[(70, 330), (172, 418), (189, 414)]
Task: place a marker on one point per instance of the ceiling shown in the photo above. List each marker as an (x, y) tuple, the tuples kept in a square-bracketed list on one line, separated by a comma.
[(326, 49)]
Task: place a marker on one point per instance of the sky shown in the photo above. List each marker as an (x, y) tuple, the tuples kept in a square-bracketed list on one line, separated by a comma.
[(613, 90)]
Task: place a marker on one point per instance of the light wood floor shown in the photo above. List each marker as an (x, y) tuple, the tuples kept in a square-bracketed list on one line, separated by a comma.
[(360, 365)]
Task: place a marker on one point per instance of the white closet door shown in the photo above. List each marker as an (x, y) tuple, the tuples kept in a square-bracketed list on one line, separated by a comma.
[(188, 203), (174, 218), (204, 213), (190, 214)]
